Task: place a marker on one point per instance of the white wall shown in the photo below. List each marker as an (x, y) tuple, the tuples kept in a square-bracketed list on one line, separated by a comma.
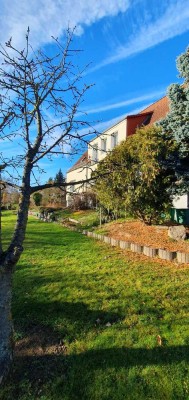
[(83, 173), (75, 176), (181, 201), (119, 128)]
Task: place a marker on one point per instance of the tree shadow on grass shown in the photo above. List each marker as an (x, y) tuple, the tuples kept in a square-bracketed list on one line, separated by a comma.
[(47, 239), (41, 353), (74, 374), (42, 358), (74, 318), (60, 237)]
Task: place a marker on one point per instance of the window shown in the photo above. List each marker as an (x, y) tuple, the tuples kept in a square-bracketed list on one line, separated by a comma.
[(95, 153), (103, 145), (114, 139)]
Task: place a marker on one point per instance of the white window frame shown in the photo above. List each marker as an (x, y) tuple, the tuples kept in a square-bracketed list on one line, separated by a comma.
[(114, 139), (95, 153), (103, 145)]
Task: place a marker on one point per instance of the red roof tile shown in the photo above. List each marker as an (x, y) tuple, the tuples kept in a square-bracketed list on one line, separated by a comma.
[(159, 110)]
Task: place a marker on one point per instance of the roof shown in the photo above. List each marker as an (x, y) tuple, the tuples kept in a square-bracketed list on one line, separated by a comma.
[(159, 109), (137, 120), (148, 116), (81, 162)]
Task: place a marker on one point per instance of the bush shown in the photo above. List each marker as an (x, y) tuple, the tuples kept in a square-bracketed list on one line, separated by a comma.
[(83, 201), (137, 177)]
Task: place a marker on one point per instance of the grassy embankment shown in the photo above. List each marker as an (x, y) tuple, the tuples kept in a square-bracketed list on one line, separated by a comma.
[(86, 219), (94, 323)]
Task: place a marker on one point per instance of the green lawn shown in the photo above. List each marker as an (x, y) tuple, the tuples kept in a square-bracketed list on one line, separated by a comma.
[(87, 319), (86, 219)]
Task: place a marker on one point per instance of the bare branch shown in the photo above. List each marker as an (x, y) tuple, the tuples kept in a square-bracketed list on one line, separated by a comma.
[(40, 103), (54, 184)]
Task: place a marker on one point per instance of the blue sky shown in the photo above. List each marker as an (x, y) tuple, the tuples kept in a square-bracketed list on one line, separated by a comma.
[(132, 46)]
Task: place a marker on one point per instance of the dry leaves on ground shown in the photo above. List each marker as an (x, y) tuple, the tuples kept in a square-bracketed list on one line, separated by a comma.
[(138, 232)]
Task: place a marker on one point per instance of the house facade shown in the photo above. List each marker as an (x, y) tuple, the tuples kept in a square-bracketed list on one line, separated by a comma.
[(104, 143)]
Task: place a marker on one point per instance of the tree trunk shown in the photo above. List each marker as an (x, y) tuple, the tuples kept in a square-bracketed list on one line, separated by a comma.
[(10, 258), (6, 326)]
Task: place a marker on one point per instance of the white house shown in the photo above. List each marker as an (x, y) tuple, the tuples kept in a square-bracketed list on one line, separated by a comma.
[(101, 145), (98, 148)]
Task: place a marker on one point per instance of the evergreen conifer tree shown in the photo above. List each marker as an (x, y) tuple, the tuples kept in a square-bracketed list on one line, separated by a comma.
[(177, 122), (59, 178)]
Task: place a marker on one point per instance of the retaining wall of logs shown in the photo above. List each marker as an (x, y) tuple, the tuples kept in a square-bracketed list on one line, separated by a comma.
[(178, 256)]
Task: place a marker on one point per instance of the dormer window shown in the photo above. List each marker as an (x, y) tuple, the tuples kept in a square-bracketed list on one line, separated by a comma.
[(114, 139)]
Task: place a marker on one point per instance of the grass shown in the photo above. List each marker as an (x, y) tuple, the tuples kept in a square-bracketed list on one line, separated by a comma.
[(89, 319), (87, 219)]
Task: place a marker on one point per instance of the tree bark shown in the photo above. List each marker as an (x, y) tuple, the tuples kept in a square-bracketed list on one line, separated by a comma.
[(6, 326), (8, 260)]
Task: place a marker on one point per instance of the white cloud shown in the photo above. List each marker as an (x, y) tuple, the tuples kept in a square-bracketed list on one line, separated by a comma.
[(120, 104), (173, 22), (104, 125), (48, 18)]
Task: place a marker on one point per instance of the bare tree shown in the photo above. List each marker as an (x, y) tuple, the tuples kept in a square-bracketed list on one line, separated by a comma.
[(40, 116)]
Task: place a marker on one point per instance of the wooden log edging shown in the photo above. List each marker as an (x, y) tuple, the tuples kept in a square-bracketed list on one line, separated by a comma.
[(178, 256)]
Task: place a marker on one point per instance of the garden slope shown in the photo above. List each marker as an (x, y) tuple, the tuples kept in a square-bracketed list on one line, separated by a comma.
[(138, 232)]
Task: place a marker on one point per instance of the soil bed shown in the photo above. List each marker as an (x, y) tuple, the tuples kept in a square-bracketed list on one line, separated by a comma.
[(138, 232)]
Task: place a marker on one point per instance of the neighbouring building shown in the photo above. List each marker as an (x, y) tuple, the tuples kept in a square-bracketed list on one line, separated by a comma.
[(101, 145)]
